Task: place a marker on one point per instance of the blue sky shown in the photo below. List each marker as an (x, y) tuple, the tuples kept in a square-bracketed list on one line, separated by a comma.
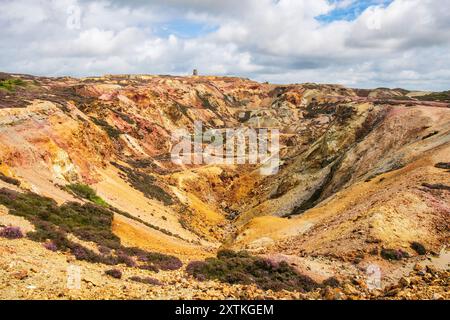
[(186, 28), (365, 43), (352, 11), (183, 28)]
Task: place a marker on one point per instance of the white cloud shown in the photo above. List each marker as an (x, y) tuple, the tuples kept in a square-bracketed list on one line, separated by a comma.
[(403, 44)]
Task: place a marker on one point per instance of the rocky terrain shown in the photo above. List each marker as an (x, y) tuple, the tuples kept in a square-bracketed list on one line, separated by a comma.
[(87, 180)]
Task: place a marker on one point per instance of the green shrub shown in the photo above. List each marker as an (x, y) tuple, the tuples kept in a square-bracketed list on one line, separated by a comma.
[(11, 84), (86, 192)]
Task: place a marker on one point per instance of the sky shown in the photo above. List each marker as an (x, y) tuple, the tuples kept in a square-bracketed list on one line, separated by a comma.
[(366, 43)]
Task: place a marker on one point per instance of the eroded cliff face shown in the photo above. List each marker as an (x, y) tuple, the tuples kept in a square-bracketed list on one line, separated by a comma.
[(359, 168)]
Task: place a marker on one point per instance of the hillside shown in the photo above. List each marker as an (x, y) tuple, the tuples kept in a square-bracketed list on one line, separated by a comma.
[(86, 174)]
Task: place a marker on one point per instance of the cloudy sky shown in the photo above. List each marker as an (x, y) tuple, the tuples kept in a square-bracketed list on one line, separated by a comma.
[(366, 43)]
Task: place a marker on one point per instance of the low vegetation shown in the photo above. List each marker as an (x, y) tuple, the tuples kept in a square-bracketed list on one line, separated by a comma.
[(436, 96), (86, 192), (155, 260), (11, 84), (443, 165), (126, 214), (205, 99), (115, 273), (438, 186), (419, 248), (332, 282), (112, 132), (88, 222), (50, 245), (431, 134), (11, 233), (241, 267), (393, 254), (146, 280), (146, 184), (9, 180)]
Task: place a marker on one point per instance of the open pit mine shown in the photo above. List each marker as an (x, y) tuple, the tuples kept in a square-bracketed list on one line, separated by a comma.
[(92, 205)]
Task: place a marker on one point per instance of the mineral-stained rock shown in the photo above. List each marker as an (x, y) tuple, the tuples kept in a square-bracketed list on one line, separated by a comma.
[(361, 173)]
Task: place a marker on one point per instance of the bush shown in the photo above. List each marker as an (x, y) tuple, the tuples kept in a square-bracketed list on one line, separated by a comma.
[(47, 231), (147, 280), (115, 273), (149, 267), (80, 253), (267, 264), (226, 254), (126, 260), (393, 254), (11, 84), (443, 165), (195, 267), (332, 282), (86, 192), (133, 251), (242, 268), (11, 233), (419, 248), (50, 246), (104, 250), (9, 180), (163, 262)]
